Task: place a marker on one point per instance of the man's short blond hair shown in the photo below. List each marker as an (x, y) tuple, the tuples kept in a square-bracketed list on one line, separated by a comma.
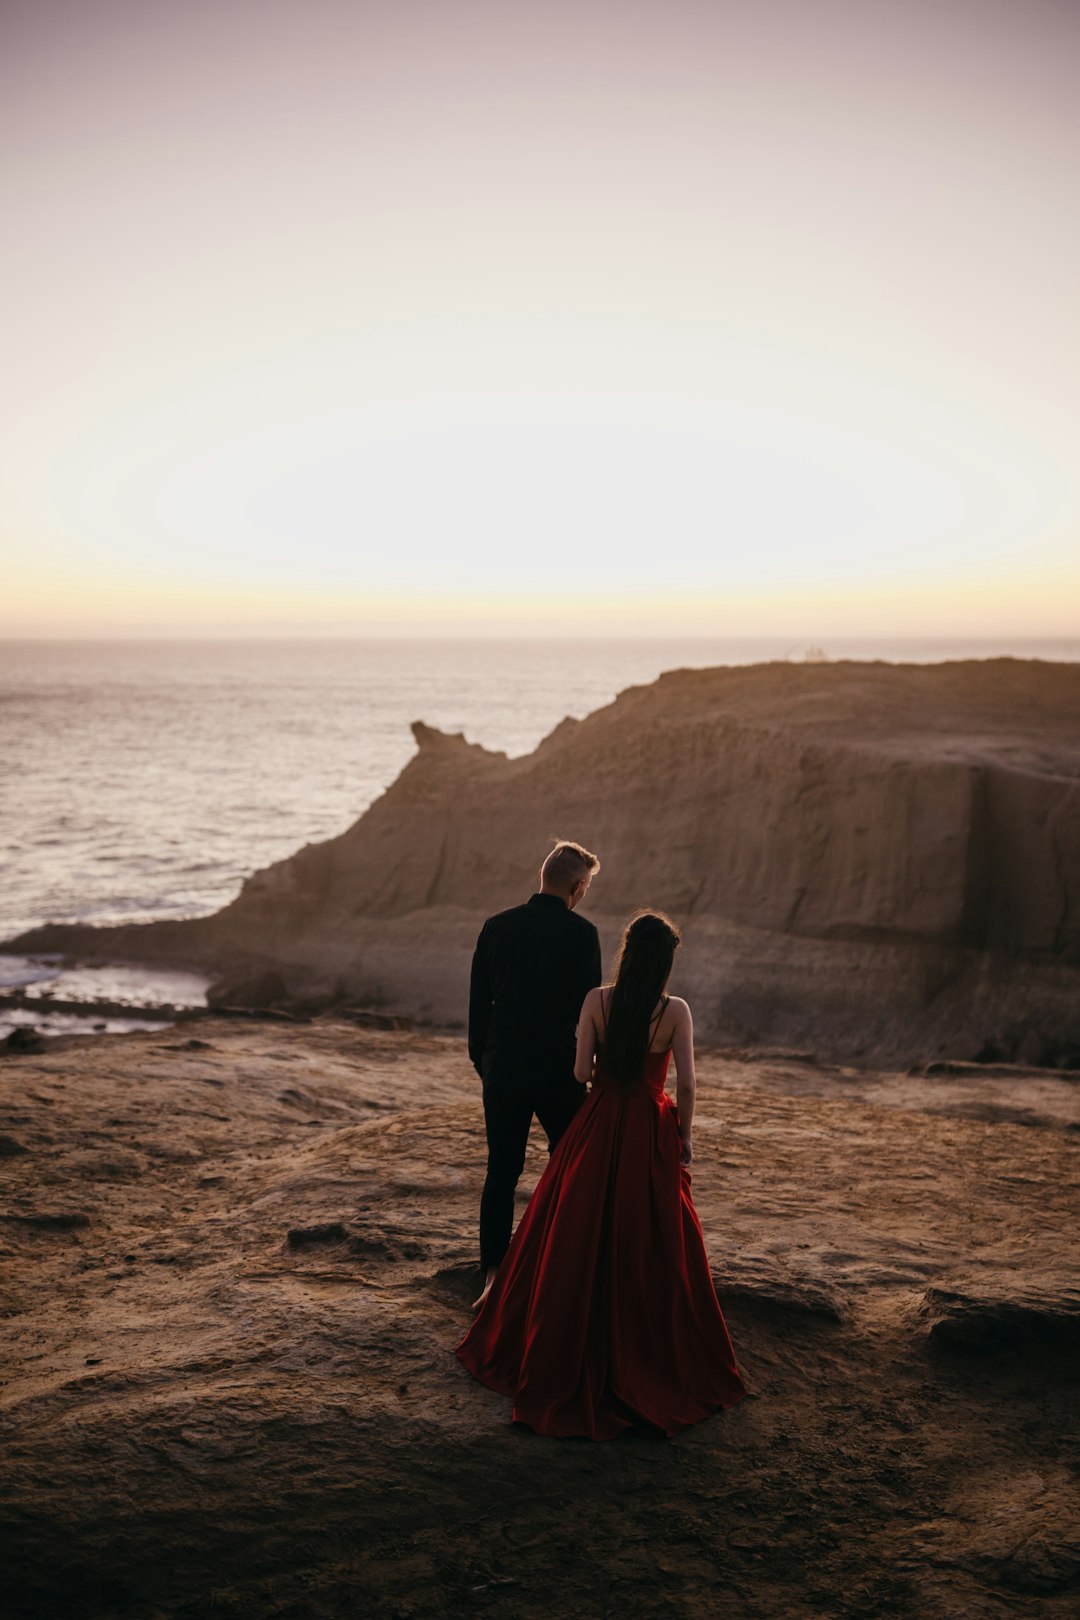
[(567, 864)]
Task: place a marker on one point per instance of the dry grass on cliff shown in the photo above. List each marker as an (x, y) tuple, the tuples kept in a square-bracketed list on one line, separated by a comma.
[(235, 1268)]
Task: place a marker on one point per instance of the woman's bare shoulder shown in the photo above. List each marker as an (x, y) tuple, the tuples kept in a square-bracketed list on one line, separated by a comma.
[(679, 1009), (592, 1003)]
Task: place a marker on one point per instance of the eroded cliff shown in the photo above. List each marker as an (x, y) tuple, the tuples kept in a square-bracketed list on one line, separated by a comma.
[(872, 857)]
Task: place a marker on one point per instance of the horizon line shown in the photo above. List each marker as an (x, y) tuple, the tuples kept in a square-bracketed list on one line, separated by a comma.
[(810, 641)]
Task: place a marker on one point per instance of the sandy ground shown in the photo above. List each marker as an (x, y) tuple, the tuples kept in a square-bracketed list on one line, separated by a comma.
[(235, 1265)]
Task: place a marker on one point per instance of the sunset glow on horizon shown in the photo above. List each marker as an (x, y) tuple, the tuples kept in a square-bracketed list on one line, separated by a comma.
[(478, 318)]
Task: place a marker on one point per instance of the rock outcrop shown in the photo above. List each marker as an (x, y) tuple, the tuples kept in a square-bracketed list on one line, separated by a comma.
[(235, 1269), (869, 857)]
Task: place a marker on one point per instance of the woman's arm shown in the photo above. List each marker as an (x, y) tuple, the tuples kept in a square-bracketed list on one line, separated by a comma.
[(587, 1038), (682, 1050)]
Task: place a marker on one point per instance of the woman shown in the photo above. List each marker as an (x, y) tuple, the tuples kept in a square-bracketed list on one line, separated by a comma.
[(603, 1313)]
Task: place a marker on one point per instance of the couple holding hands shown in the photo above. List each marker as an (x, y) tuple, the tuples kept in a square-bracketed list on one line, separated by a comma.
[(599, 1314)]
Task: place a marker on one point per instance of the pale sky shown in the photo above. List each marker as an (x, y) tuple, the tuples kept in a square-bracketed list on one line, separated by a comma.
[(495, 316)]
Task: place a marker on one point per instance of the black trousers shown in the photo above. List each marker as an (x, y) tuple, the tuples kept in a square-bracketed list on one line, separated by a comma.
[(508, 1117)]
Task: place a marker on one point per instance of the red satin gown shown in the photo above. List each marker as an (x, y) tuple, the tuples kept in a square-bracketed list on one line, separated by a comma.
[(603, 1314)]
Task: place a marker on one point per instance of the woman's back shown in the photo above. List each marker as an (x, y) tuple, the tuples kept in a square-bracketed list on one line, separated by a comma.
[(670, 1036), (653, 1076)]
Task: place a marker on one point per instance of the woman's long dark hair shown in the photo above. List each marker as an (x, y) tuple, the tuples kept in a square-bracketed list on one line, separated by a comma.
[(647, 951)]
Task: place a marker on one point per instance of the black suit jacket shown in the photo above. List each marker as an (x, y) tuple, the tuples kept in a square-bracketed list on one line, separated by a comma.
[(532, 968)]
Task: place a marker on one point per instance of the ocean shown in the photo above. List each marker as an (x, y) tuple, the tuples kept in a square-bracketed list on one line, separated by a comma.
[(147, 779)]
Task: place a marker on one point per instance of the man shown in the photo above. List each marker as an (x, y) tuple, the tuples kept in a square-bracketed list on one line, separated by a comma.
[(532, 968)]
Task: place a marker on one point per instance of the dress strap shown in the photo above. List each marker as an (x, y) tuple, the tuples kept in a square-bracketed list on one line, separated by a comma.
[(654, 1024)]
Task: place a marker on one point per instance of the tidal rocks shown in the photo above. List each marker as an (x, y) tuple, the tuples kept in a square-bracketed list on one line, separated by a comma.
[(254, 990), (22, 1041)]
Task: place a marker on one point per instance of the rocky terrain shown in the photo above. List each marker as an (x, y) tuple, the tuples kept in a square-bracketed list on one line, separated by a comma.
[(237, 1255), (876, 860)]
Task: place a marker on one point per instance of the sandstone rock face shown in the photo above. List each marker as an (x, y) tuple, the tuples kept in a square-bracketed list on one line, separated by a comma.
[(235, 1269), (876, 857), (861, 802)]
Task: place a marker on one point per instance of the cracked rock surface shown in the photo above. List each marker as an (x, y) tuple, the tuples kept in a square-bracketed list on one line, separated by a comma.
[(234, 1272)]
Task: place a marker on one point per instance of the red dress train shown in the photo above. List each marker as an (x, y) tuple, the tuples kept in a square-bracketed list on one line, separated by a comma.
[(603, 1314)]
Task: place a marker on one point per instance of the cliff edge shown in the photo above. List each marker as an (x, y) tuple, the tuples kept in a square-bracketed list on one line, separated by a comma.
[(872, 857), (236, 1268)]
